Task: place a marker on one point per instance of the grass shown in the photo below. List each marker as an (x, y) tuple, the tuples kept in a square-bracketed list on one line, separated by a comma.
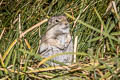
[(95, 23)]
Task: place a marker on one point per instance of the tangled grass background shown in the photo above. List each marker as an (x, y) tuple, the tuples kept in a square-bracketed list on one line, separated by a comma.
[(95, 27)]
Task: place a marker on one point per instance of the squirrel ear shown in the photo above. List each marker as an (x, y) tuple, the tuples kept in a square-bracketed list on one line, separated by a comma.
[(51, 20), (63, 15)]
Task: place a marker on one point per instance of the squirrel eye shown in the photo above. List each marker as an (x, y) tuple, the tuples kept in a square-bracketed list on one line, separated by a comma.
[(57, 20)]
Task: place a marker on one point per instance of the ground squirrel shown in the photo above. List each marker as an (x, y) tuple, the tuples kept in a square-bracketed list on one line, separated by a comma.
[(57, 39)]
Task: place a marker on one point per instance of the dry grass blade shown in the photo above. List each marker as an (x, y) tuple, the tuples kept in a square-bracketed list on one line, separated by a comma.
[(75, 49), (31, 28), (2, 33), (8, 50)]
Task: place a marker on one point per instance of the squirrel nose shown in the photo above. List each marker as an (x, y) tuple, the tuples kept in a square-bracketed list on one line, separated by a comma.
[(66, 23)]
